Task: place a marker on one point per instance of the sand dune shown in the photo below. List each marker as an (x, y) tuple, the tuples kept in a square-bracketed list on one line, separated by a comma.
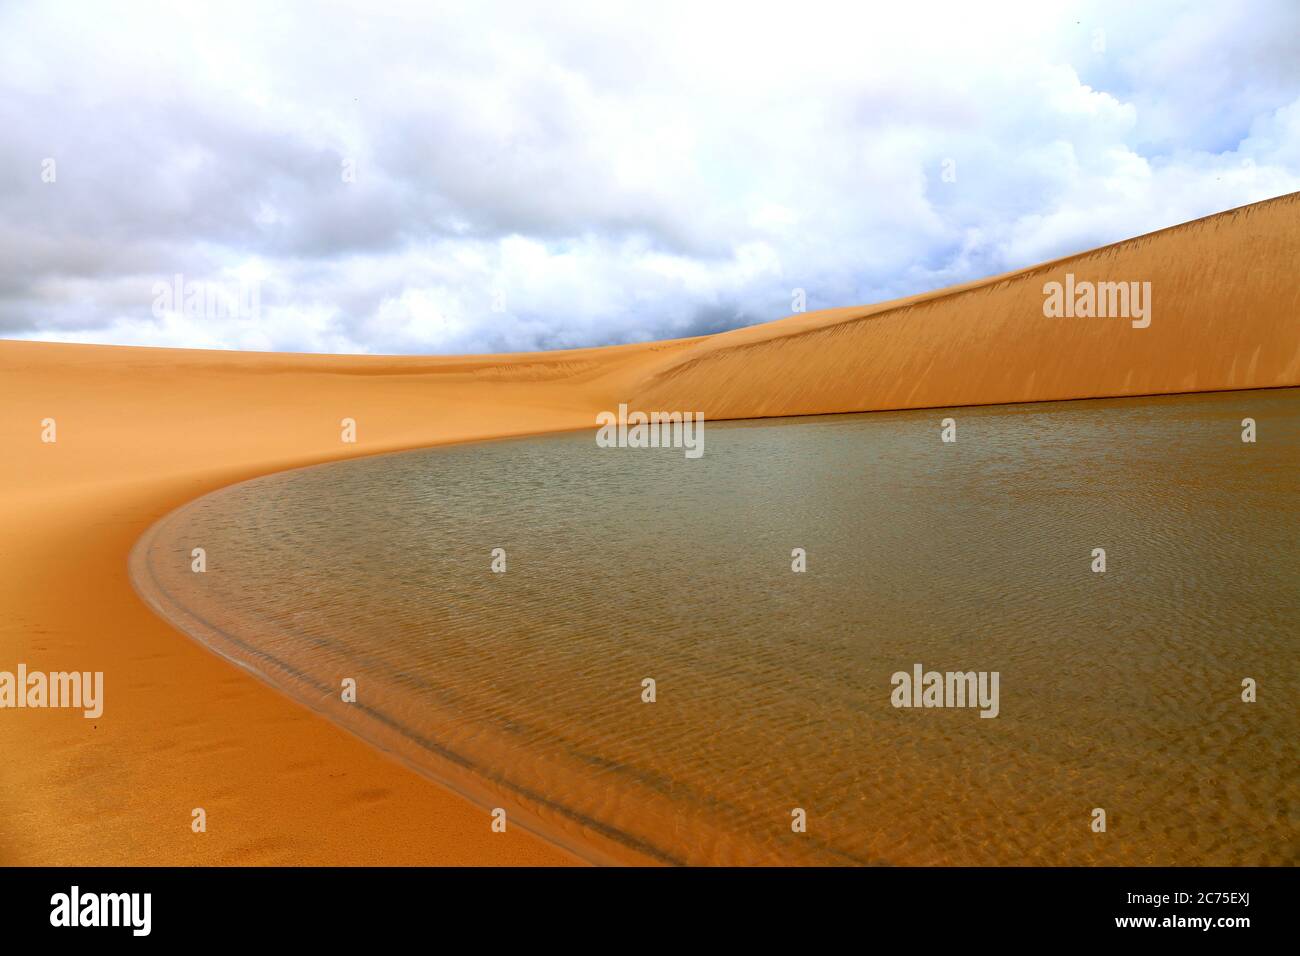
[(1226, 315), (141, 431)]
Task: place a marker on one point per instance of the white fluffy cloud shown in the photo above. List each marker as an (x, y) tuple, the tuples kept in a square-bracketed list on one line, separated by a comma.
[(572, 174)]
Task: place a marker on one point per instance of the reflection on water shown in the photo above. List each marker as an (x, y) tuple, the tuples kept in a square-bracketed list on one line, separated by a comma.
[(1119, 690)]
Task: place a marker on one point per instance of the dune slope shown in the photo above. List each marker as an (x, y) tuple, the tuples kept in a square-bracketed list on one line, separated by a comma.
[(1225, 314)]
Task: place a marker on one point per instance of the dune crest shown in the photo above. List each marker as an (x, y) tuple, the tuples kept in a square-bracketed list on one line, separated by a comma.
[(1226, 316)]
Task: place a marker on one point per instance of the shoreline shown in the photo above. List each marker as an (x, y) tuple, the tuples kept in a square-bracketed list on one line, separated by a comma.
[(438, 826), (183, 729), (464, 784), (589, 852)]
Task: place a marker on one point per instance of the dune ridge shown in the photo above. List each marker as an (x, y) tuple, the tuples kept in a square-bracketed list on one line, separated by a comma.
[(142, 431), (1226, 316)]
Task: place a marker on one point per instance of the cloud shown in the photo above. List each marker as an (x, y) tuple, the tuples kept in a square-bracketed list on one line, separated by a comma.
[(493, 177)]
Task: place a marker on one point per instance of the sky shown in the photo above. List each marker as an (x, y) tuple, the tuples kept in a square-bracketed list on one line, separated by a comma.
[(485, 177)]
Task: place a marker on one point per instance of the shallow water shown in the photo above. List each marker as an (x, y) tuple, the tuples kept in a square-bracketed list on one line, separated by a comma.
[(1119, 690)]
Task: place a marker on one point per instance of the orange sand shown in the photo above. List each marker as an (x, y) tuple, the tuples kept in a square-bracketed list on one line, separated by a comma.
[(140, 431)]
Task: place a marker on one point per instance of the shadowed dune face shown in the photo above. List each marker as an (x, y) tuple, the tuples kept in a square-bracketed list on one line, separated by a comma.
[(1225, 314)]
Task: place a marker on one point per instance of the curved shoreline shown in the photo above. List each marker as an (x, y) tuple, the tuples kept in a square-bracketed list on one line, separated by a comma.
[(459, 775), (259, 516), (180, 729)]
